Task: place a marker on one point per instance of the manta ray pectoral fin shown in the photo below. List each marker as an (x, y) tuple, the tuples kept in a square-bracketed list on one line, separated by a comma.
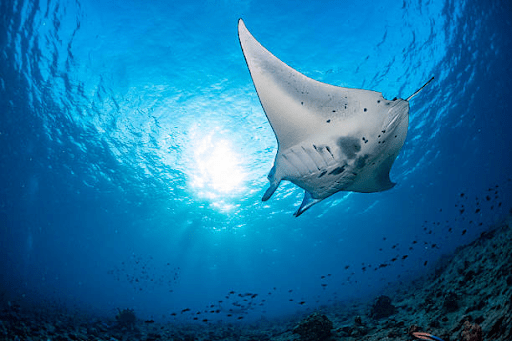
[(307, 202), (270, 190), (274, 183)]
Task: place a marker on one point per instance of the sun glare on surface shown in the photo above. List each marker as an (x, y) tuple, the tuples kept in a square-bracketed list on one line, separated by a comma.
[(216, 168)]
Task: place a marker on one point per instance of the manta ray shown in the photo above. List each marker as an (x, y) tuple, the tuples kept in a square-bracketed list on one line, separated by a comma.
[(329, 138)]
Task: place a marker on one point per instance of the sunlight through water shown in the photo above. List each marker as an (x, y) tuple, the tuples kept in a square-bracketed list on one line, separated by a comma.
[(215, 171)]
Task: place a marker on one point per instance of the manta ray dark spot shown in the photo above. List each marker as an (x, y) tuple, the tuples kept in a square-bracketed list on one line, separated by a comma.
[(378, 101), (365, 110), (328, 121), (334, 111), (337, 170), (322, 174), (301, 103), (361, 161), (349, 146)]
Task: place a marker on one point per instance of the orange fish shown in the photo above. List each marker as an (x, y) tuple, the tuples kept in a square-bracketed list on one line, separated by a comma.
[(426, 336)]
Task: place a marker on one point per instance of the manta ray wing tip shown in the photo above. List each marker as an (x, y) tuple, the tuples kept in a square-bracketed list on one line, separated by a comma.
[(241, 24)]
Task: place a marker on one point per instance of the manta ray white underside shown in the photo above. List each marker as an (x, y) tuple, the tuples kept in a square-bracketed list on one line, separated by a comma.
[(330, 138)]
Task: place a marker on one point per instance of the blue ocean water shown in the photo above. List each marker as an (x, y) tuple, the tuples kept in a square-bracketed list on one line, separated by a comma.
[(134, 152)]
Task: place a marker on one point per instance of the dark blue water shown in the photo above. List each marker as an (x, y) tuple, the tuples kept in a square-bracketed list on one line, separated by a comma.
[(134, 152)]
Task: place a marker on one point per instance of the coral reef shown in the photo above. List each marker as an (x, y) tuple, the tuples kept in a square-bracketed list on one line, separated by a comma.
[(315, 327), (467, 298)]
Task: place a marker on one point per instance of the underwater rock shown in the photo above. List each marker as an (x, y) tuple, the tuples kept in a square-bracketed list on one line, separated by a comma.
[(471, 332), (126, 318), (382, 308), (451, 302), (413, 328), (357, 330), (315, 327), (153, 337)]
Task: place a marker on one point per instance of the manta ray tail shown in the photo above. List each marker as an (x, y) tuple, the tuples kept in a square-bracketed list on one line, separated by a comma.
[(417, 91)]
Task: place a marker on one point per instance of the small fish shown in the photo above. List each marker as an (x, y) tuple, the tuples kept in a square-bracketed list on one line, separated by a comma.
[(426, 336)]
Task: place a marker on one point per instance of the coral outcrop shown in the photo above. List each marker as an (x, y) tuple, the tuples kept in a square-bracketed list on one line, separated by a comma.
[(382, 308), (316, 327), (126, 318), (471, 332)]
